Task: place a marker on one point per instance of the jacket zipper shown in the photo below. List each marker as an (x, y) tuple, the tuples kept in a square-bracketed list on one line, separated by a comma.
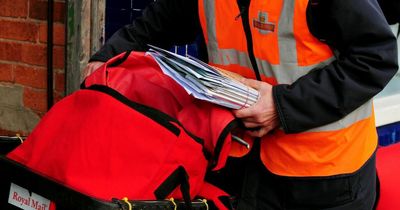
[(244, 13)]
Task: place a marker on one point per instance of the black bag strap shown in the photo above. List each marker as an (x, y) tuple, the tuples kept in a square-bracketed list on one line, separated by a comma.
[(178, 177)]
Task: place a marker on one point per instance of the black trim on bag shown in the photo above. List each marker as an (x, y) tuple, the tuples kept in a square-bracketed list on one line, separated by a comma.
[(178, 177), (221, 140), (154, 114), (83, 86), (199, 140), (194, 137), (120, 61)]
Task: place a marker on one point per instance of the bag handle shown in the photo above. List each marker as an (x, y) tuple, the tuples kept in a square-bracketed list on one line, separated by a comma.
[(119, 60)]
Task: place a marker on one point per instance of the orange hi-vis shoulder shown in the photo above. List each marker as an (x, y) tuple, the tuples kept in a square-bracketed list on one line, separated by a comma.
[(285, 50)]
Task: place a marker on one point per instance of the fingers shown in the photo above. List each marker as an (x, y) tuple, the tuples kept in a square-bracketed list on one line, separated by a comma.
[(254, 123), (258, 120), (259, 129), (251, 83), (245, 112), (251, 124), (260, 132)]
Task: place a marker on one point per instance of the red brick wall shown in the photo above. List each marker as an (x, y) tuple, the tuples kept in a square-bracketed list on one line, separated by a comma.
[(23, 42)]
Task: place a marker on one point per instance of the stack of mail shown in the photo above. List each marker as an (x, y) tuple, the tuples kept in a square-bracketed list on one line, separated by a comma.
[(204, 81)]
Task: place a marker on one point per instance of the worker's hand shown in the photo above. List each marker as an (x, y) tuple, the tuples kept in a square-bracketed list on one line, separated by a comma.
[(90, 68), (263, 113)]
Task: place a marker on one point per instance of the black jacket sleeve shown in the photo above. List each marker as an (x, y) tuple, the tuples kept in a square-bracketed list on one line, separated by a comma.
[(391, 10), (164, 23), (366, 59)]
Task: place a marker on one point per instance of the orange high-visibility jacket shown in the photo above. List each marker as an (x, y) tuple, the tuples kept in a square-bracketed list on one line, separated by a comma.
[(283, 51)]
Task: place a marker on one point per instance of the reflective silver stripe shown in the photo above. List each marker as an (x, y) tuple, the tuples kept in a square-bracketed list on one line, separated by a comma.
[(283, 73), (209, 9), (229, 56), (360, 113), (286, 39), (216, 55), (288, 73)]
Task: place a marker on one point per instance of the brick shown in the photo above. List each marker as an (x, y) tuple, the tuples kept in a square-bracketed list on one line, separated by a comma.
[(59, 82), (31, 76), (6, 72), (14, 8), (38, 10), (10, 51), (35, 99), (34, 54), (58, 57), (58, 34), (19, 30), (59, 12)]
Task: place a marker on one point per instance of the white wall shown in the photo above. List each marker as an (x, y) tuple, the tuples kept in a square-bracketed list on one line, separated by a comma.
[(387, 102)]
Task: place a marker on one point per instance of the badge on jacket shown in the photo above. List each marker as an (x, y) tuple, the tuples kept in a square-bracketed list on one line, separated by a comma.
[(262, 24)]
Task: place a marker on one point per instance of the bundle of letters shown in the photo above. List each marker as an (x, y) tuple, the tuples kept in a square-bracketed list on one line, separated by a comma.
[(203, 81)]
